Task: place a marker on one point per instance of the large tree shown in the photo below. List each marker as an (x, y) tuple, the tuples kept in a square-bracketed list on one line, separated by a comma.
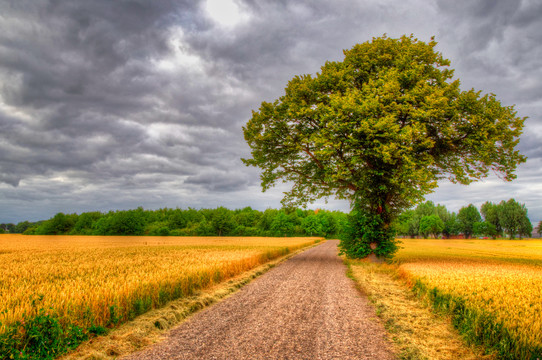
[(380, 128)]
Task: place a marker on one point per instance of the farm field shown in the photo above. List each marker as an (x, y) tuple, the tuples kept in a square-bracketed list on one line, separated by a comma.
[(492, 289), (100, 281)]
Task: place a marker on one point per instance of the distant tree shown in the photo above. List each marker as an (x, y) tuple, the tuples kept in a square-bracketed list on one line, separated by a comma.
[(402, 223), (189, 222), (467, 217), (22, 226), (413, 225), (431, 225), (163, 231), (513, 217), (311, 226), (490, 213), (327, 223), (341, 222), (85, 223), (264, 224), (484, 228), (222, 221), (294, 215), (157, 228), (204, 228), (177, 219), (426, 208), (58, 225), (282, 224), (451, 226), (525, 228), (102, 226), (128, 222), (8, 228), (193, 216), (409, 220), (248, 217), (539, 227), (443, 213)]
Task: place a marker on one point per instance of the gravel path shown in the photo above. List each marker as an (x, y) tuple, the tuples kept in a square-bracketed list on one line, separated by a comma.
[(305, 308)]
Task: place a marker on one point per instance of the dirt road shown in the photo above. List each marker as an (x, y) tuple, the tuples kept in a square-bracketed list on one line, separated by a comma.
[(305, 308)]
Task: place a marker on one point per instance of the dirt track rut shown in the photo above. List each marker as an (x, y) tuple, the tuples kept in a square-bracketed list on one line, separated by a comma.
[(305, 308)]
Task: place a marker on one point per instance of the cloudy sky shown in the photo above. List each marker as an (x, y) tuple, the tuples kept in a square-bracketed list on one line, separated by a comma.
[(110, 105)]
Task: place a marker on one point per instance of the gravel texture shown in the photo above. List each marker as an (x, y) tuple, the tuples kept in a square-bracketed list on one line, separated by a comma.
[(305, 308)]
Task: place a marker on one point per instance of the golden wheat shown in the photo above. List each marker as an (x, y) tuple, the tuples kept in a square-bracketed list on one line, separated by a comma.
[(97, 280), (502, 278)]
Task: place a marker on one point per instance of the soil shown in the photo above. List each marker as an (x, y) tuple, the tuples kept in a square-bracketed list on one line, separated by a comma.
[(305, 308)]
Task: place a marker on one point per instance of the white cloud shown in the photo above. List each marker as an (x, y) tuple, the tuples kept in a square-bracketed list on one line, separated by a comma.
[(180, 59), (226, 13)]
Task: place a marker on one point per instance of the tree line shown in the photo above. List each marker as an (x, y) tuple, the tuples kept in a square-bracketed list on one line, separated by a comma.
[(19, 228), (505, 219), (191, 222)]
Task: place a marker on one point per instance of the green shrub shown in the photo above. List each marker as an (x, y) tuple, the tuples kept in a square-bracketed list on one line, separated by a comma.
[(363, 229), (40, 336)]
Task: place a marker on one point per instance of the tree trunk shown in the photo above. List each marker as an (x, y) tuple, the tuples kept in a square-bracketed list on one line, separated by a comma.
[(372, 256)]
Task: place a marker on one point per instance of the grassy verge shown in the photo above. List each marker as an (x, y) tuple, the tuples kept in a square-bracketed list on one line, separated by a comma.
[(417, 332), (152, 326)]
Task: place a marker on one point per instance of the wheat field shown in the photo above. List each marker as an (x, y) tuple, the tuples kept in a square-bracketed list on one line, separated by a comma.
[(497, 282), (104, 280)]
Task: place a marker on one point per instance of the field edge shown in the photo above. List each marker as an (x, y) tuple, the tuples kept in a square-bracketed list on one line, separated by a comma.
[(415, 330)]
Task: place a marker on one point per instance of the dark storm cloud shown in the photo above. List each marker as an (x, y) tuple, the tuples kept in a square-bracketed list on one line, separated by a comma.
[(115, 104), (216, 180), (81, 52), (531, 145), (83, 75), (497, 43), (283, 38), (87, 77), (496, 46)]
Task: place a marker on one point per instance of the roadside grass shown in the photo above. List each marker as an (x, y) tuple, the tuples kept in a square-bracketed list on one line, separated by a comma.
[(417, 332), (153, 326)]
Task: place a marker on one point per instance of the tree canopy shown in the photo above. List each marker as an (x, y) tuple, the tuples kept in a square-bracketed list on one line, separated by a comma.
[(380, 128)]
